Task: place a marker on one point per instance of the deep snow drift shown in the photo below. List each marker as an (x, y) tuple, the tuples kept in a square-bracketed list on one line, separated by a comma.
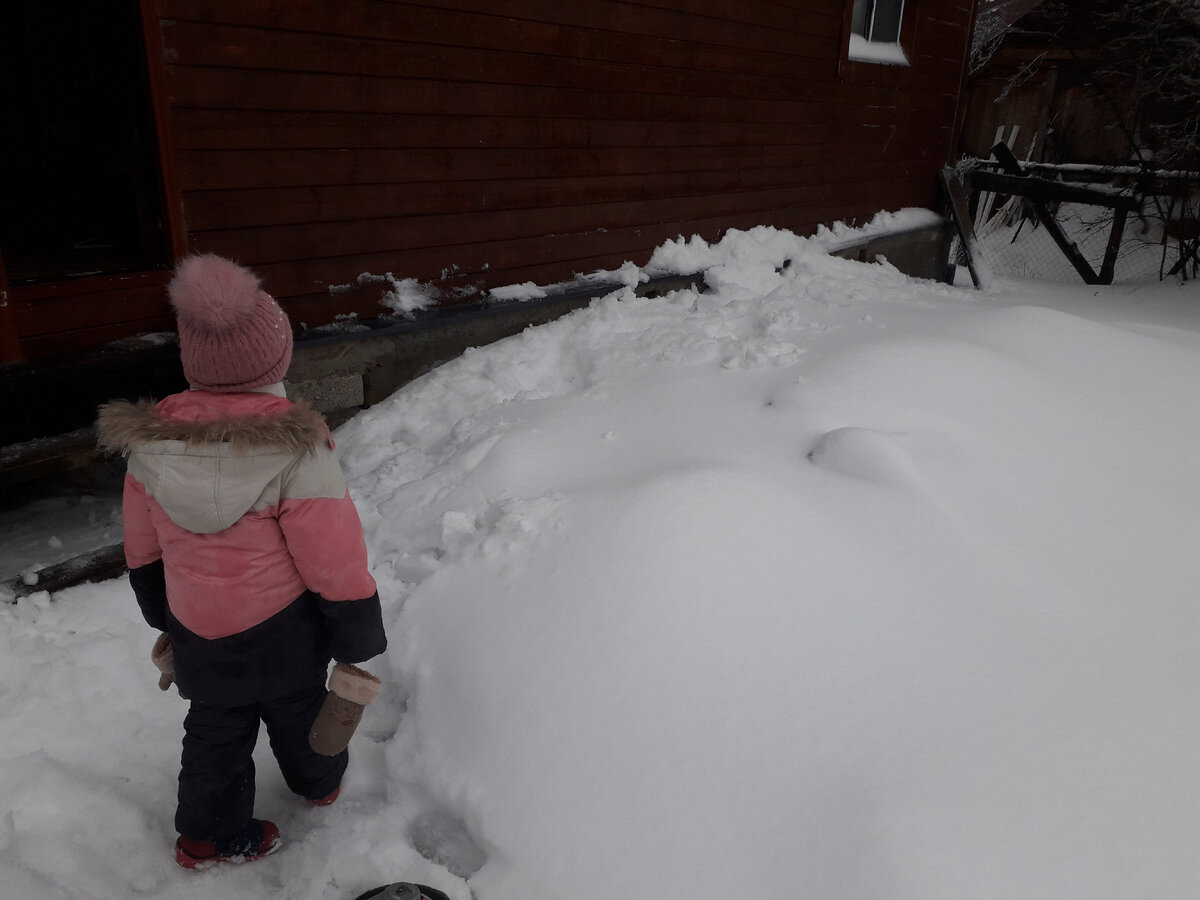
[(824, 583)]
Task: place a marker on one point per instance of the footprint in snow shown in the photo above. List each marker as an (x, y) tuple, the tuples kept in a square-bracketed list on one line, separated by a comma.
[(442, 838)]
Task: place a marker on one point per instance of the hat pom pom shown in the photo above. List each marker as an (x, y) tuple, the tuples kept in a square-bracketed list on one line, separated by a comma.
[(213, 292)]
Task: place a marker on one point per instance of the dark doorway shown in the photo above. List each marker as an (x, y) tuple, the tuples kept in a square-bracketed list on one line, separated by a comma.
[(79, 179)]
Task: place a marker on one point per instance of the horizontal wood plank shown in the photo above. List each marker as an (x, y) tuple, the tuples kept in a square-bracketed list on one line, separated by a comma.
[(222, 169), (789, 16), (239, 208), (70, 312), (482, 24), (208, 129), (810, 102), (81, 337), (721, 72)]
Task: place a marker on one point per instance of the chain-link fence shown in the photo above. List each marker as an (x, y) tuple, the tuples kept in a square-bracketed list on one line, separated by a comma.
[(1015, 244), (1158, 241)]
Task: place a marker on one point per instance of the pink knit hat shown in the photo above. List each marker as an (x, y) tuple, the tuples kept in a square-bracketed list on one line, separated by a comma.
[(232, 335)]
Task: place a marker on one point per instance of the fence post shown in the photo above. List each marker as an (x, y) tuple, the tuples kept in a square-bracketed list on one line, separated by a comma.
[(962, 220), (1070, 251)]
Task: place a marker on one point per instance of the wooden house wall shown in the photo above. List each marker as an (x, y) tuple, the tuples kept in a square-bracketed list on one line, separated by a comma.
[(477, 143)]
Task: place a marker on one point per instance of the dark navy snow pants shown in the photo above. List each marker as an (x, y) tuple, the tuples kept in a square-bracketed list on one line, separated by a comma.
[(216, 778)]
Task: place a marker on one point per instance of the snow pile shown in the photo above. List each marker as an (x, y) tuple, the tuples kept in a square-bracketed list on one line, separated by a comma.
[(825, 583)]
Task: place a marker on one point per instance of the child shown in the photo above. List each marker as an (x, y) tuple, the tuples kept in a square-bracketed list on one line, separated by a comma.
[(244, 546)]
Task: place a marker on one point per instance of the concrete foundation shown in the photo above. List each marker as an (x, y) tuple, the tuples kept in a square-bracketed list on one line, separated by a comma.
[(921, 253)]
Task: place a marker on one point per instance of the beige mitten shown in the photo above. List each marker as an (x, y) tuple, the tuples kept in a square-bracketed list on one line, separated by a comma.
[(351, 690), (163, 657)]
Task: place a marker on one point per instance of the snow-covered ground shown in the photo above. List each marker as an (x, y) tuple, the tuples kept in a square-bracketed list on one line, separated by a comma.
[(825, 583)]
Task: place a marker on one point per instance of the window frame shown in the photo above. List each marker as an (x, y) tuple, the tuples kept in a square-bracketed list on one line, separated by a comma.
[(871, 8)]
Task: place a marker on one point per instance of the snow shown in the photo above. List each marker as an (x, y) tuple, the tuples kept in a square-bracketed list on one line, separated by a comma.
[(404, 296), (43, 525), (826, 582), (888, 54), (628, 274), (525, 291)]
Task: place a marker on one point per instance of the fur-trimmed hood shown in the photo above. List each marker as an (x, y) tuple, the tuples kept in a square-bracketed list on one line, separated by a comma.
[(122, 426), (208, 459)]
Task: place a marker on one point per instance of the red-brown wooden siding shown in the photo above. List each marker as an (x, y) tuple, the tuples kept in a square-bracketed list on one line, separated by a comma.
[(503, 142), (495, 142)]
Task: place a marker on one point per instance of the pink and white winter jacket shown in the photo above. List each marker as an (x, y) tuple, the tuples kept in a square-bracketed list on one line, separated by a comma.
[(241, 499)]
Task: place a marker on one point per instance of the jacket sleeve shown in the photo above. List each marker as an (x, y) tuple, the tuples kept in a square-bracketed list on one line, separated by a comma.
[(143, 555), (356, 627), (325, 539), (150, 587)]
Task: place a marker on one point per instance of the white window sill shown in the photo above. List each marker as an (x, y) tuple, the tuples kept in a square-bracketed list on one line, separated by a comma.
[(871, 51)]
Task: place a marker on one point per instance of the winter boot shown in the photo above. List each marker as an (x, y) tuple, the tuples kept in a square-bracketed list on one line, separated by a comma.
[(257, 839), (327, 800)]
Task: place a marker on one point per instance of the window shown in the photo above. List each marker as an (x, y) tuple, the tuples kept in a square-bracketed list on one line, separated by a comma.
[(875, 31), (878, 20)]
